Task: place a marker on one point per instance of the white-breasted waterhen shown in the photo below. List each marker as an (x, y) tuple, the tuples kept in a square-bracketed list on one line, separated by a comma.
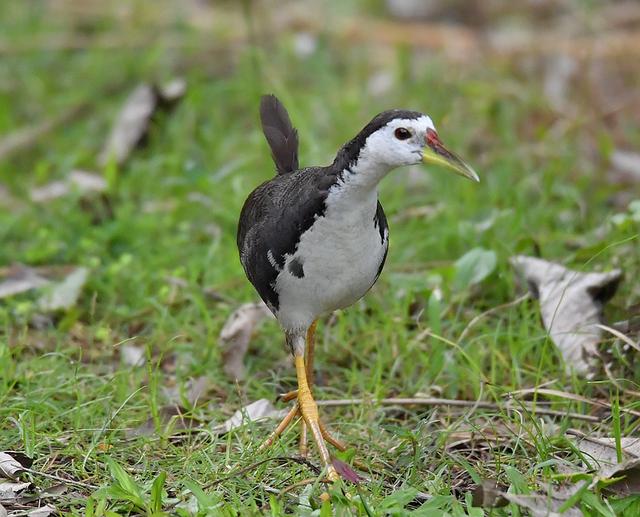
[(314, 240)]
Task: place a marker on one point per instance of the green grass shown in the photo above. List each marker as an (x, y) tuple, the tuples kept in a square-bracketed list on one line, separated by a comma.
[(67, 399)]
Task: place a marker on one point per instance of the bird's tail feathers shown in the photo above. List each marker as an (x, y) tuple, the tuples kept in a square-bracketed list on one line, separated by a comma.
[(280, 134)]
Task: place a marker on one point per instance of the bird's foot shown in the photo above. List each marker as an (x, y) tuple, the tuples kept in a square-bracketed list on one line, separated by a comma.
[(306, 407)]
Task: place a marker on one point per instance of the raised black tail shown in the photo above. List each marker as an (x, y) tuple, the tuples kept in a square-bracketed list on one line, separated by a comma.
[(280, 134)]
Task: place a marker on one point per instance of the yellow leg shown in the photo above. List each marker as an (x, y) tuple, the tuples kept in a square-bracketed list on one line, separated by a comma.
[(306, 407), (309, 411), (308, 359)]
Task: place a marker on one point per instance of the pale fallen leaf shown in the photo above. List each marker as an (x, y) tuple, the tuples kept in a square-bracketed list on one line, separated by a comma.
[(132, 355), (173, 90), (43, 511), (131, 125), (9, 466), (236, 334), (490, 495), (194, 390), (64, 295), (133, 121), (20, 279), (560, 69), (571, 305), (80, 181), (11, 490), (258, 410), (601, 454), (626, 165), (547, 505), (3, 511)]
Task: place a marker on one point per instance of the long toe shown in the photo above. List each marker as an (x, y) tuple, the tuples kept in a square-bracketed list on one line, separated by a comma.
[(286, 421), (309, 411)]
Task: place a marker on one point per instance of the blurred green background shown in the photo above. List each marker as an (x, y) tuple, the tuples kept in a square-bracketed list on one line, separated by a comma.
[(541, 97)]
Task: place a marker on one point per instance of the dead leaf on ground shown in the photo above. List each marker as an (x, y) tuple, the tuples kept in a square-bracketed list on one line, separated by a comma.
[(626, 166), (236, 335), (132, 355), (10, 490), (571, 305), (490, 495), (83, 182), (133, 122), (258, 410), (43, 511), (19, 279), (195, 390), (64, 295), (9, 466), (547, 505), (63, 284), (600, 454)]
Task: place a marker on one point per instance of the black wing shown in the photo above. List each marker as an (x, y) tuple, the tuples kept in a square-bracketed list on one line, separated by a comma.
[(272, 220), (280, 134)]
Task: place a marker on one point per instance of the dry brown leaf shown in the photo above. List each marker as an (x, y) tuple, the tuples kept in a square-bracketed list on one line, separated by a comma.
[(132, 355), (64, 295), (172, 91), (43, 511), (258, 410), (560, 70), (571, 306), (601, 454), (9, 466), (80, 181), (547, 505), (236, 335), (19, 279), (133, 121), (131, 126), (626, 165), (11, 490), (195, 390), (490, 495)]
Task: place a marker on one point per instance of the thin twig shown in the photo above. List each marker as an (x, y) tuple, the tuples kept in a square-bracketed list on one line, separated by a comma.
[(58, 478), (454, 403), (488, 312), (571, 396)]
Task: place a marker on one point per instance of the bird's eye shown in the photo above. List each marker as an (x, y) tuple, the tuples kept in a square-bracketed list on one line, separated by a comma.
[(402, 134)]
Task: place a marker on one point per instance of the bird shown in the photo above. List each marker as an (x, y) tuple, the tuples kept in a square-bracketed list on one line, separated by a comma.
[(315, 239)]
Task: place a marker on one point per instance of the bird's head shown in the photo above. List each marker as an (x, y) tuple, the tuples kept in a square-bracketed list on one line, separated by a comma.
[(395, 138)]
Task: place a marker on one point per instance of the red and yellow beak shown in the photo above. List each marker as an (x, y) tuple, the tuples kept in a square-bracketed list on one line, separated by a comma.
[(436, 153)]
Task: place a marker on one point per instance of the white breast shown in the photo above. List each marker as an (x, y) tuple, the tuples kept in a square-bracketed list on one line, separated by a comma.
[(340, 255)]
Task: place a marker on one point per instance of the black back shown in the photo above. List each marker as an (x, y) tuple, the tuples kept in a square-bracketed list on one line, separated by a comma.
[(279, 211), (280, 134), (273, 218)]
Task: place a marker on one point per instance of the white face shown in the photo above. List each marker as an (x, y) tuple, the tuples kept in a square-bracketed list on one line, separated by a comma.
[(400, 142)]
